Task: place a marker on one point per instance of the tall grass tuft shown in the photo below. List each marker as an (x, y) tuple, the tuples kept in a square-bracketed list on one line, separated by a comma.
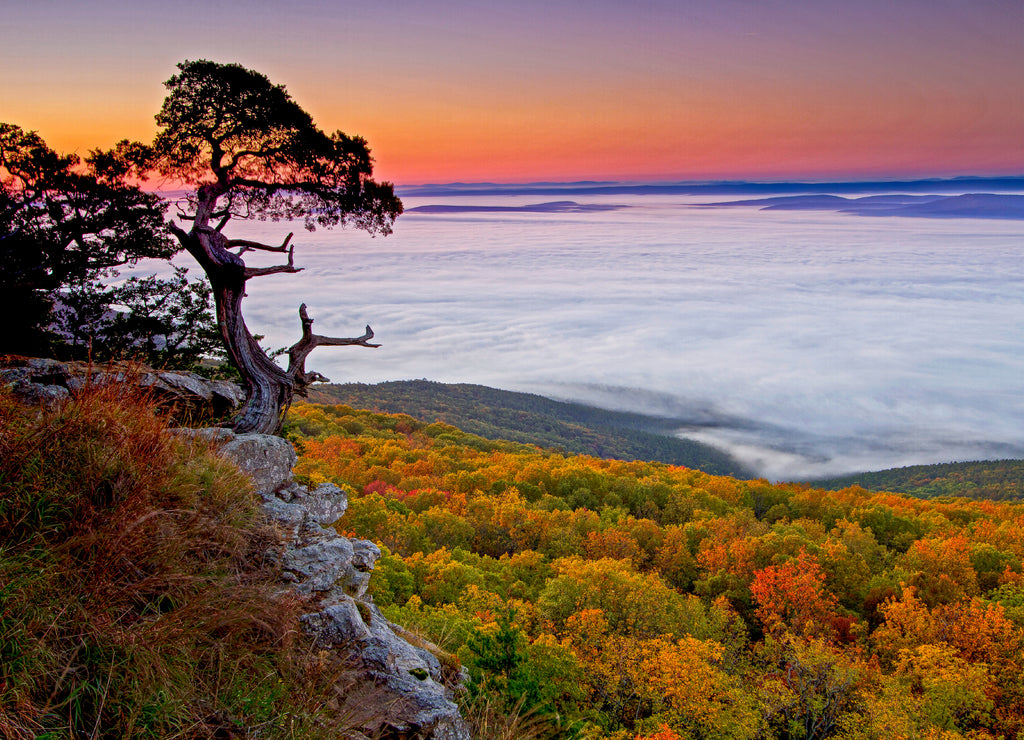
[(489, 718), (135, 600)]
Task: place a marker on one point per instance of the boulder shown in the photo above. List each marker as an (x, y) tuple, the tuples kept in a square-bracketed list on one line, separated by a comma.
[(39, 394), (412, 697), (193, 392), (45, 370), (325, 504), (316, 559), (12, 375), (289, 517), (267, 459), (319, 566)]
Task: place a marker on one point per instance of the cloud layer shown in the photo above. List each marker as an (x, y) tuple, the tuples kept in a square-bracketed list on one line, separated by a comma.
[(807, 343)]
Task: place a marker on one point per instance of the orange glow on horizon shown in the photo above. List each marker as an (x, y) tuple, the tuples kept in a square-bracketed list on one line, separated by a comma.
[(513, 146)]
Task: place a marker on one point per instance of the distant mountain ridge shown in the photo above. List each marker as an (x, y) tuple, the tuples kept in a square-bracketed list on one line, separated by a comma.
[(580, 429), (532, 419), (968, 205), (721, 187), (558, 206)]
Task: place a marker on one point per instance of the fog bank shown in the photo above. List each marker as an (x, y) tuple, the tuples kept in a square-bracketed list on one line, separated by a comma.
[(805, 343)]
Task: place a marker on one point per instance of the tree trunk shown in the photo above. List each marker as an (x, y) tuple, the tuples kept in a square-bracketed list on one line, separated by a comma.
[(269, 389)]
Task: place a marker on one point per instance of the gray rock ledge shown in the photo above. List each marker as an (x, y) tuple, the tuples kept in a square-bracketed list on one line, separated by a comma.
[(402, 686)]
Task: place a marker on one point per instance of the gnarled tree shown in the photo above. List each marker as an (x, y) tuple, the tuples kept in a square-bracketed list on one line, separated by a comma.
[(250, 151)]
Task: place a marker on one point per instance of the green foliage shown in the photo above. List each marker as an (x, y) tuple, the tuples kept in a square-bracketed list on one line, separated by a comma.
[(541, 679), (391, 582), (162, 322), (65, 222), (501, 651), (523, 417), (1010, 596), (996, 480)]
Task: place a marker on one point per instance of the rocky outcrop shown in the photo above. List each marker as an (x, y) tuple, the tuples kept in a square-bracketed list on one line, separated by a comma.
[(267, 459), (188, 395), (403, 686)]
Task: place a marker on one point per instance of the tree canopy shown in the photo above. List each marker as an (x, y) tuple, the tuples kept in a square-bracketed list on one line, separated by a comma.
[(641, 601), (231, 129), (65, 222)]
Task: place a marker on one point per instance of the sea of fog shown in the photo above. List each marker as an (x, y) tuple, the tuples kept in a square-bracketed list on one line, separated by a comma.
[(805, 343)]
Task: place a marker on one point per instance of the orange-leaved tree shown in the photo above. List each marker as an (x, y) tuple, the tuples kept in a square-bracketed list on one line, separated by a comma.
[(792, 596)]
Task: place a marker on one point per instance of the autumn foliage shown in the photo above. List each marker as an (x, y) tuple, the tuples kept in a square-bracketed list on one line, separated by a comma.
[(792, 597), (637, 600)]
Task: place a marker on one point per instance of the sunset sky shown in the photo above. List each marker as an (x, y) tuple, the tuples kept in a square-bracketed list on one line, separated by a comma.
[(453, 90)]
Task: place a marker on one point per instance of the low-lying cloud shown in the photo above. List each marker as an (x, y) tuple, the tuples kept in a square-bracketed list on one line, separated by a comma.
[(807, 343), (967, 205)]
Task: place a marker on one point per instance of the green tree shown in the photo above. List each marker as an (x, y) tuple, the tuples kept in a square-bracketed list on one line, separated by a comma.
[(250, 151), (65, 222), (166, 322), (503, 663)]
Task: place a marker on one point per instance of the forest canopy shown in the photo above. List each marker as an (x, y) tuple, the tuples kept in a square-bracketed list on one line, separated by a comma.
[(634, 599)]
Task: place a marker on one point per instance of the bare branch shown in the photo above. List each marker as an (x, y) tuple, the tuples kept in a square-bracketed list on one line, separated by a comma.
[(317, 340), (363, 341), (251, 272), (247, 244), (298, 352), (177, 230)]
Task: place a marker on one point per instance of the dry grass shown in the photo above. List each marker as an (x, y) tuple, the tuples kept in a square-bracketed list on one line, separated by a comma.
[(489, 719), (134, 596)]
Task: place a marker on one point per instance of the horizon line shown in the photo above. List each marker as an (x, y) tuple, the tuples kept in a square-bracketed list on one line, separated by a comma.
[(710, 187), (668, 186)]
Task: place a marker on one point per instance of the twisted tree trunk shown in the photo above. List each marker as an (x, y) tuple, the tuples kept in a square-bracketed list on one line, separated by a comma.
[(269, 388)]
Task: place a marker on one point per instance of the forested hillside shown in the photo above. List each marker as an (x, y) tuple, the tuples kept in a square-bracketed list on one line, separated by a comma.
[(525, 417), (997, 480), (608, 599)]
